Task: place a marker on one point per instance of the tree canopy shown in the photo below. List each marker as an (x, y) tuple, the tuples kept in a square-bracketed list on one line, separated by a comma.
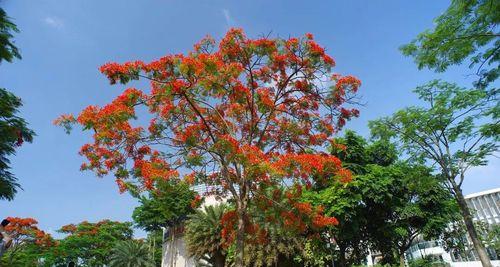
[(89, 243), (242, 116), (28, 243), (385, 207), (457, 129), (169, 205), (466, 31)]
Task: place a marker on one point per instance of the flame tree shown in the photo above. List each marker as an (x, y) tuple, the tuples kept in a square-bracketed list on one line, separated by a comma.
[(248, 117), (25, 232)]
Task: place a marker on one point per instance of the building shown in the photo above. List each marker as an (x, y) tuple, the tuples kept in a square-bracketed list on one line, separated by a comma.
[(174, 247), (485, 207)]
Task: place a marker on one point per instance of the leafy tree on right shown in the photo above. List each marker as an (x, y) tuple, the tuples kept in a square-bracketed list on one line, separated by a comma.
[(459, 128), (456, 131), (388, 204)]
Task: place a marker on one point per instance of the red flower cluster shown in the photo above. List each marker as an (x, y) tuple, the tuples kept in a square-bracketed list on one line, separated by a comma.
[(196, 202), (26, 230), (321, 221)]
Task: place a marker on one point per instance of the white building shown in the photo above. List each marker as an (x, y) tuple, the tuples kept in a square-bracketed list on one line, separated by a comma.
[(174, 247), (486, 205)]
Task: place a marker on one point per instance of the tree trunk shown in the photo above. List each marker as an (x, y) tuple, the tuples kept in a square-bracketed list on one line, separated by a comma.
[(240, 235), (471, 229), (402, 262), (342, 259), (219, 259)]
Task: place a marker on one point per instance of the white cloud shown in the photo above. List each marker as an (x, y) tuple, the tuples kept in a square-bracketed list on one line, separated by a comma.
[(54, 22), (229, 19)]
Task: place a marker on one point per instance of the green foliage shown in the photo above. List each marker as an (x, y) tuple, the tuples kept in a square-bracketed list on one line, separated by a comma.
[(428, 262), (155, 242), (130, 253), (13, 129), (385, 207), (90, 243), (203, 234), (8, 51), (279, 249), (356, 153), (468, 30), (458, 129), (315, 254), (455, 238), (25, 256), (492, 237), (403, 202), (168, 205)]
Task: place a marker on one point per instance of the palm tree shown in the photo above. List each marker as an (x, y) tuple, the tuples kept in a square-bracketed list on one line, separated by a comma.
[(203, 235), (279, 249), (130, 253)]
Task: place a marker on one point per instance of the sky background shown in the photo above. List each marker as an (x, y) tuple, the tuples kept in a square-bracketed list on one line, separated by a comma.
[(64, 42)]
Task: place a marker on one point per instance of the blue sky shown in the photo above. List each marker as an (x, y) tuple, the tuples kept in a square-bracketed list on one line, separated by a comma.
[(64, 42)]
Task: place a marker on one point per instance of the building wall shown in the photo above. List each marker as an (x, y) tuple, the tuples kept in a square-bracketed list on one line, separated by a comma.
[(485, 206), (175, 254), (174, 247)]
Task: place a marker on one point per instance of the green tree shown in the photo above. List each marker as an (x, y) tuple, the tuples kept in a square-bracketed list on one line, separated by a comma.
[(404, 202), (346, 200), (351, 235), (205, 242), (492, 238), (457, 130), (90, 243), (13, 129), (203, 235), (466, 31), (455, 240), (28, 242), (130, 253), (387, 204), (168, 205)]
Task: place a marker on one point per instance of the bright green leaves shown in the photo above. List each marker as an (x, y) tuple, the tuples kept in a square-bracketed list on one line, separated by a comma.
[(13, 129), (8, 51), (170, 204), (13, 132), (456, 129), (467, 30)]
